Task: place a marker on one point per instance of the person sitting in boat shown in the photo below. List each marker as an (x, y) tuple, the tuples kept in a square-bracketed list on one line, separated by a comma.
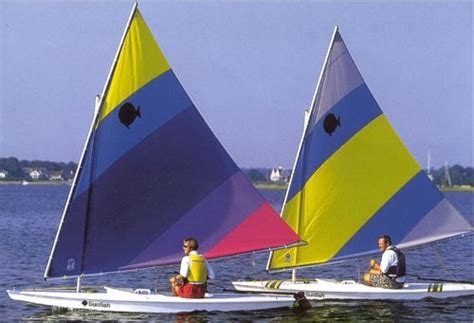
[(390, 273), (191, 282)]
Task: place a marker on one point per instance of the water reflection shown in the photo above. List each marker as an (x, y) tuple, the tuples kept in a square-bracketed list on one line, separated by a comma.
[(460, 308), (323, 311)]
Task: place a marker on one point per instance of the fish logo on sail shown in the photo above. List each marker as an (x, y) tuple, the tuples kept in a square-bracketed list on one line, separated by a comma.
[(128, 113), (331, 122)]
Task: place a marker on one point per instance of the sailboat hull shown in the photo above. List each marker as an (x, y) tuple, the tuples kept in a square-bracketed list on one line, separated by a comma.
[(144, 301), (318, 289)]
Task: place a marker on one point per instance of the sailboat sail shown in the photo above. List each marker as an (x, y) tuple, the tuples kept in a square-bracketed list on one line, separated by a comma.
[(354, 179), (153, 174)]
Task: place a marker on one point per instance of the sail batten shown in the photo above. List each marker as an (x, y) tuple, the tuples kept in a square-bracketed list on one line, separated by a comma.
[(354, 179), (154, 174)]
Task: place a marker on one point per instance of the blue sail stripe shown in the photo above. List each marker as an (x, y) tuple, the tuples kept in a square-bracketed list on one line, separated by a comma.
[(397, 217), (319, 145), (159, 101), (156, 182)]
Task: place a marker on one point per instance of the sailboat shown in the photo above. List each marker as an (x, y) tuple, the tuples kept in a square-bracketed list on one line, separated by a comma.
[(151, 174), (352, 181)]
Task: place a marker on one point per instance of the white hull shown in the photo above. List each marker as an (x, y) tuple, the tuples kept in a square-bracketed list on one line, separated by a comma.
[(127, 300), (318, 289)]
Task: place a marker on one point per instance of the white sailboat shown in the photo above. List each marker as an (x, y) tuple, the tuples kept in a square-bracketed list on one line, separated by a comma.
[(152, 173), (352, 181)]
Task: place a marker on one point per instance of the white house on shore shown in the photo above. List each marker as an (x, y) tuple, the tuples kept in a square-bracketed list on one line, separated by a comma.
[(34, 173), (3, 173), (56, 176), (276, 174)]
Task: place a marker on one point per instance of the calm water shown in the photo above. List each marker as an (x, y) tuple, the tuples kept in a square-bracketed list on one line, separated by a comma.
[(29, 216)]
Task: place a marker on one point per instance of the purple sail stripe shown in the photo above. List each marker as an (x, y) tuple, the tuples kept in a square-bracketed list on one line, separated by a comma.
[(209, 222)]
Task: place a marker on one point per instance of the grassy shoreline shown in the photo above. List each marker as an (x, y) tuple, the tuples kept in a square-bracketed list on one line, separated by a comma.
[(35, 183), (265, 186), (275, 186)]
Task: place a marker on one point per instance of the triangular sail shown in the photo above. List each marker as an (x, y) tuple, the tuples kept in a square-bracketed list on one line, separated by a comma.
[(153, 174), (354, 179)]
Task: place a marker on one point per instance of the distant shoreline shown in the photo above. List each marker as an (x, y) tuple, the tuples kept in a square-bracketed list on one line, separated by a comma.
[(264, 186), (276, 186), (35, 183)]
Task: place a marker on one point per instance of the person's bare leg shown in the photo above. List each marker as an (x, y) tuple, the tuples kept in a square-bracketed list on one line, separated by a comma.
[(175, 291), (173, 286), (367, 279)]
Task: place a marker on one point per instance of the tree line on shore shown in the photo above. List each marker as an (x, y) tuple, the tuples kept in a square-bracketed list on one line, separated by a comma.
[(12, 169), (458, 175)]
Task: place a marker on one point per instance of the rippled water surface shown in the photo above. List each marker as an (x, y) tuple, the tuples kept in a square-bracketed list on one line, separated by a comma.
[(29, 216)]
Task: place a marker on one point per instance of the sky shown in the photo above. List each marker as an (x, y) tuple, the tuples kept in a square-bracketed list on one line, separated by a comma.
[(250, 67)]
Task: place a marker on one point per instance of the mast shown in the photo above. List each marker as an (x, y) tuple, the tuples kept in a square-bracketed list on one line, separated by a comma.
[(307, 119), (98, 108), (446, 174), (429, 162), (428, 169)]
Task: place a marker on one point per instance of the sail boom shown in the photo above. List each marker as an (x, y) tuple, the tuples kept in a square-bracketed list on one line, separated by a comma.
[(293, 245), (401, 246)]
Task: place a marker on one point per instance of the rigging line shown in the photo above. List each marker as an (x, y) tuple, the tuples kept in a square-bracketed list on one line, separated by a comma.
[(157, 281), (235, 291), (254, 266), (441, 262), (441, 279), (358, 270), (164, 289), (217, 285)]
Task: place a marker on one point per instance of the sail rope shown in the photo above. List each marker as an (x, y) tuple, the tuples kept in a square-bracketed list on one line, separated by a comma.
[(254, 266), (224, 289), (157, 282), (358, 271), (446, 271), (441, 262)]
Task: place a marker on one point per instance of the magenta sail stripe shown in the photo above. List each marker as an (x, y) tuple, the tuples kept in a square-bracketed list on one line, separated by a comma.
[(260, 231)]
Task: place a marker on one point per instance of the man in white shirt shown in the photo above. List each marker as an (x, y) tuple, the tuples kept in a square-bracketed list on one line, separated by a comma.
[(191, 282), (390, 273)]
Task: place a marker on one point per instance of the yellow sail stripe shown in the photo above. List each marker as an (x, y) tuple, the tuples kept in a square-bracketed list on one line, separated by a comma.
[(139, 62), (345, 192)]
